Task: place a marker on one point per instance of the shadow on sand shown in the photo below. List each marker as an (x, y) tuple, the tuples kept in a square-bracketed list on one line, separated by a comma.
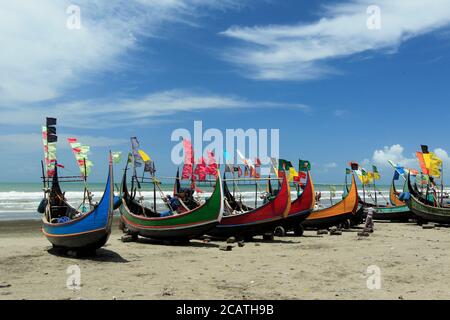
[(173, 243), (101, 255)]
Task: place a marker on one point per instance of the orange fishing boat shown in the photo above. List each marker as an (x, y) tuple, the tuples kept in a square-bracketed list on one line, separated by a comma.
[(393, 196), (336, 214)]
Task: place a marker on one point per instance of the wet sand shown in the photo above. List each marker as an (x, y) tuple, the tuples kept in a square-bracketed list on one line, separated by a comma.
[(413, 263)]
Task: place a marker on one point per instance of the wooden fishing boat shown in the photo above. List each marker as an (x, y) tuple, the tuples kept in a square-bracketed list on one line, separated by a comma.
[(399, 211), (394, 196), (256, 221), (82, 231), (336, 214), (423, 211), (142, 221), (301, 209)]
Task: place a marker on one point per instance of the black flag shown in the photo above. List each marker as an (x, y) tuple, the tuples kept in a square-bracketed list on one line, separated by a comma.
[(51, 122), (424, 149)]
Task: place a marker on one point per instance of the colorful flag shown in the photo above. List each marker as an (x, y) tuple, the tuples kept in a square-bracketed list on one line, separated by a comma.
[(135, 151), (229, 168), (354, 166), (284, 165), (80, 152), (376, 174), (424, 149), (116, 156), (201, 169), (304, 165), (423, 166), (188, 166), (396, 175), (212, 168), (434, 164), (293, 174), (144, 156)]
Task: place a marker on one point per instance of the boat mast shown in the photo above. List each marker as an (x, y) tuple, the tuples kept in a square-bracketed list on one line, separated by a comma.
[(442, 185), (375, 190), (154, 191)]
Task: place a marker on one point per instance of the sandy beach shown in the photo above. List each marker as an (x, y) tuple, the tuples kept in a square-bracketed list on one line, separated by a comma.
[(413, 264)]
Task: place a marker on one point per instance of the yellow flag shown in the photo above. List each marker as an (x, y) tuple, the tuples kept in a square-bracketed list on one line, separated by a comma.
[(433, 164), (292, 173), (144, 156)]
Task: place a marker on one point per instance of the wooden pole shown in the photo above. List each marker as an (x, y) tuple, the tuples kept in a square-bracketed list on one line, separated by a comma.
[(442, 186), (364, 192), (375, 190), (154, 195)]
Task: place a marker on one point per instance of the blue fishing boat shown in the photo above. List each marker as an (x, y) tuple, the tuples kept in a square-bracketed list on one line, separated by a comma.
[(87, 227), (67, 227)]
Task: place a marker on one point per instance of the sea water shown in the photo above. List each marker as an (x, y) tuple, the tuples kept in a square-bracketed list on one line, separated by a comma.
[(19, 201)]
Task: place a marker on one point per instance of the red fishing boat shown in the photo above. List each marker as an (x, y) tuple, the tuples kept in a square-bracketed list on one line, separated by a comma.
[(301, 208), (246, 224)]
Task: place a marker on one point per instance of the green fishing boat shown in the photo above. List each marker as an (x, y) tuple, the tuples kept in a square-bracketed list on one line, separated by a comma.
[(399, 211)]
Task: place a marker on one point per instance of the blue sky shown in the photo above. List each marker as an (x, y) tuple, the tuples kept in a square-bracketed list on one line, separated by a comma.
[(336, 90)]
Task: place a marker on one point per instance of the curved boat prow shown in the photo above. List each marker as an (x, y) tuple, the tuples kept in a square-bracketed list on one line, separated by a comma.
[(336, 214)]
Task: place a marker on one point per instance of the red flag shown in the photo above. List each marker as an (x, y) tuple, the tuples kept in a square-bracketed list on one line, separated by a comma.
[(212, 165), (254, 173), (188, 160), (71, 140), (257, 162), (201, 169), (60, 165), (423, 166)]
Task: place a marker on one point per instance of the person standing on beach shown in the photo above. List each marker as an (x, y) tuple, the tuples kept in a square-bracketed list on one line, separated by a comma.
[(369, 220)]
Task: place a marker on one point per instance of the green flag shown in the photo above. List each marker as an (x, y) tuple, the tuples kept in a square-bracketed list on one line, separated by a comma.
[(304, 165), (116, 156), (284, 165), (348, 171)]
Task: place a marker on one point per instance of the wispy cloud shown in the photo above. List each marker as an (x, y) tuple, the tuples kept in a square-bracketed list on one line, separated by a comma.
[(32, 142), (41, 58), (340, 113), (154, 107), (306, 51)]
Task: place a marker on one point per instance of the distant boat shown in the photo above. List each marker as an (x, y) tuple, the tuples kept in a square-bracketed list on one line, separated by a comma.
[(399, 211)]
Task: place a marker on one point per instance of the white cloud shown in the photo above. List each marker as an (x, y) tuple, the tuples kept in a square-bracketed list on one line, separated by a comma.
[(394, 153), (136, 111), (304, 51), (40, 58)]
